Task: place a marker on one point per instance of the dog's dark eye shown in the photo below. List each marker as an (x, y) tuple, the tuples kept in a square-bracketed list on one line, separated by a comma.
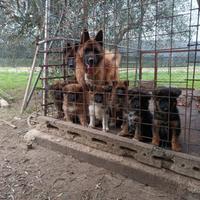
[(87, 50), (94, 50)]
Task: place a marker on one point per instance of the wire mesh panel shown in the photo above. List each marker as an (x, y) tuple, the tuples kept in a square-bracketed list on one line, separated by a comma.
[(126, 67)]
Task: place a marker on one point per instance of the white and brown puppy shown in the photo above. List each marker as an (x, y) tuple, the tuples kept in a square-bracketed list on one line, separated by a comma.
[(99, 107), (73, 106)]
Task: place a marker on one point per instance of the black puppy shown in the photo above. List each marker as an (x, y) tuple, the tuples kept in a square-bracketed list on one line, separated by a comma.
[(166, 123), (138, 120)]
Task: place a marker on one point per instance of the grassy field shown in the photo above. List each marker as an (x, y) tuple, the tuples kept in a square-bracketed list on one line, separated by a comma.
[(11, 79), (177, 77)]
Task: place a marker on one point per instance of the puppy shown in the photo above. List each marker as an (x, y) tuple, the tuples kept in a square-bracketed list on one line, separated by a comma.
[(57, 95), (73, 103), (138, 121), (94, 65), (166, 123), (69, 52), (119, 102), (99, 106)]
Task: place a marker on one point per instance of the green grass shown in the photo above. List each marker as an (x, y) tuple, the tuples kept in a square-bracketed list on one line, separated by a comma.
[(12, 80), (176, 78)]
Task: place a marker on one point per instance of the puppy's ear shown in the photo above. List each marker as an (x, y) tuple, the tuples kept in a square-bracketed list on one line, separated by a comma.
[(99, 37), (85, 36), (76, 46), (126, 83), (175, 92), (67, 48), (65, 89), (91, 88), (131, 93), (80, 88)]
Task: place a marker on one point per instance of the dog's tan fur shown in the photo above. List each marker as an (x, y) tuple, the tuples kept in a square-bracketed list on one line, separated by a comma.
[(56, 92), (105, 71), (74, 109)]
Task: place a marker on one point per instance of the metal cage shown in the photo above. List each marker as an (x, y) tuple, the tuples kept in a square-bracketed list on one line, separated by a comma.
[(158, 41)]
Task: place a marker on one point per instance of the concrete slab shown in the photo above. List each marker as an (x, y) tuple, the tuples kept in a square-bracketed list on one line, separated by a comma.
[(161, 178)]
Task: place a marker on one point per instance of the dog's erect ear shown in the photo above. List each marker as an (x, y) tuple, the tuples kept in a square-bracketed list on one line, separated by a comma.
[(69, 45), (67, 48), (91, 87), (99, 37), (131, 93), (126, 83), (65, 89), (175, 92), (85, 36)]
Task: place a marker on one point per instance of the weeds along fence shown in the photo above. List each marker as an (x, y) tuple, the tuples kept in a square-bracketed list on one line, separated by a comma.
[(158, 41)]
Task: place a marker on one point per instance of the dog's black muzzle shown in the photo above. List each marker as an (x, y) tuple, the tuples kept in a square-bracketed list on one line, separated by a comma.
[(164, 105), (71, 63), (90, 60), (98, 98)]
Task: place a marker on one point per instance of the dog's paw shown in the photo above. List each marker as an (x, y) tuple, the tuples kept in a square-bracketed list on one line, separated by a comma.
[(91, 125), (122, 133), (112, 124), (155, 142), (176, 147), (136, 138), (105, 130)]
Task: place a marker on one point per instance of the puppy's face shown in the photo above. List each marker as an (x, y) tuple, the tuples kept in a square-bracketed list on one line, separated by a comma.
[(98, 93), (70, 55), (166, 104), (132, 118), (165, 99), (139, 102), (92, 50), (120, 91), (73, 92), (56, 90)]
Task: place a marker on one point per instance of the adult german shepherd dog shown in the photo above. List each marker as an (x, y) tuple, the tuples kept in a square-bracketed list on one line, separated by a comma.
[(166, 123), (94, 65)]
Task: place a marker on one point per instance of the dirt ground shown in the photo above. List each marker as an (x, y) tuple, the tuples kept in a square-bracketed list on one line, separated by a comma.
[(41, 174)]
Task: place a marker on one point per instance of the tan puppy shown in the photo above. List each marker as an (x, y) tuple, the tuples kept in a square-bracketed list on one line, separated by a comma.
[(56, 93), (73, 103)]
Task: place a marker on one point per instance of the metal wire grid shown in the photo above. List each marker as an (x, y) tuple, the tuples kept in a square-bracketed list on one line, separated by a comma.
[(165, 54)]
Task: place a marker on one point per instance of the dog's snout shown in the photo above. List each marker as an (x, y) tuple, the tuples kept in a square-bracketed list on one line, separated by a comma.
[(98, 98), (90, 60), (71, 63), (72, 97)]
